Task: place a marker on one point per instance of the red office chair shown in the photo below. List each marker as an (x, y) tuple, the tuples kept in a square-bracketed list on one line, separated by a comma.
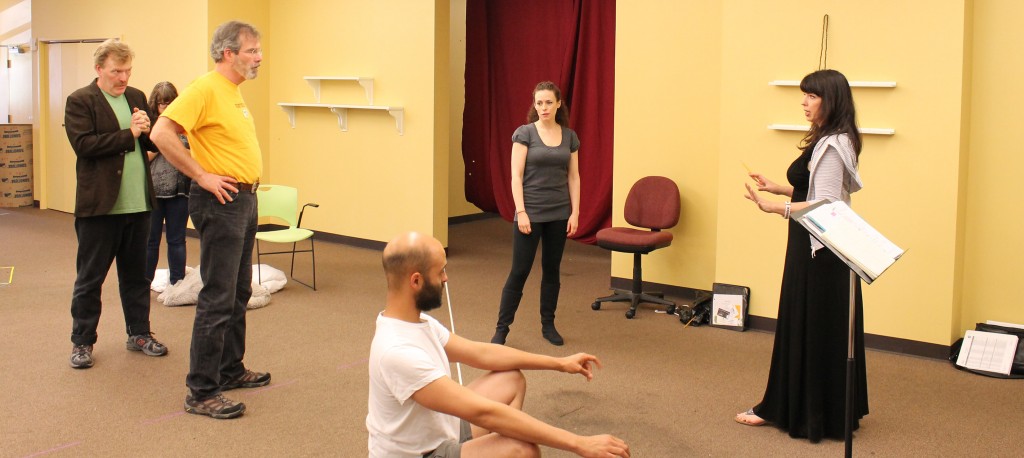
[(652, 203)]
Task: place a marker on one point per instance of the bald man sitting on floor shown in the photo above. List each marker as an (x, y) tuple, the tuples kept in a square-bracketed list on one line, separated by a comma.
[(415, 406)]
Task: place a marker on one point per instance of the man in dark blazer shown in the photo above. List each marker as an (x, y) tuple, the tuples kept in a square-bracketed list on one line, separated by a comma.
[(108, 128)]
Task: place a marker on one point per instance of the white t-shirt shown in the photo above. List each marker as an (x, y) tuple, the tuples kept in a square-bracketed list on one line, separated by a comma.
[(405, 357)]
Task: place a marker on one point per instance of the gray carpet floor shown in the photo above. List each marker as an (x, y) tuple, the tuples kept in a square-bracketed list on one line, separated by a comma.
[(667, 390)]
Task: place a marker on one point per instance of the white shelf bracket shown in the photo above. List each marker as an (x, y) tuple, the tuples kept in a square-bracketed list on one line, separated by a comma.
[(399, 115), (342, 117), (315, 84), (290, 111), (367, 84)]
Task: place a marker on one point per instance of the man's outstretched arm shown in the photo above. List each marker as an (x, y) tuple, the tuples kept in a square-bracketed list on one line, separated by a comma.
[(494, 357), (445, 396)]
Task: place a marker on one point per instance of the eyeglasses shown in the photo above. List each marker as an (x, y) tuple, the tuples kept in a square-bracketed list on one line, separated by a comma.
[(251, 51)]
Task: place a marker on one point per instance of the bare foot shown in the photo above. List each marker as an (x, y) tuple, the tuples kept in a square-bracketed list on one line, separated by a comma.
[(749, 418)]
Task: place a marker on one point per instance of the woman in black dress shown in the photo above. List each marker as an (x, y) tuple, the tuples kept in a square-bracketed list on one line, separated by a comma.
[(806, 389)]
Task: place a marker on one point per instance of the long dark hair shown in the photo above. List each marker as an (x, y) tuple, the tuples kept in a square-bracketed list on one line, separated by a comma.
[(561, 116), (836, 111), (163, 92)]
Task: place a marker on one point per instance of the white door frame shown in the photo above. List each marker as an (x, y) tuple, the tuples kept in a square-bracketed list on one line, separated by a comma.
[(56, 183)]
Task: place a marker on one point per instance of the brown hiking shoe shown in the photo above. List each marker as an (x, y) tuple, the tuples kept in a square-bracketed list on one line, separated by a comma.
[(248, 379), (216, 406)]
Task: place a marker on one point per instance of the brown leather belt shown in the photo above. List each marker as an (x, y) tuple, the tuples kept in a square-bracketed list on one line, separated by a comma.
[(249, 188)]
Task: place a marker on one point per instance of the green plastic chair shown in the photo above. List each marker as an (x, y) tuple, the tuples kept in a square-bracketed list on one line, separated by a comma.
[(281, 202)]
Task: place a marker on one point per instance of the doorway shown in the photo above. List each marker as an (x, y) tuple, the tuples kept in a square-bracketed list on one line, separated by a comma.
[(70, 67)]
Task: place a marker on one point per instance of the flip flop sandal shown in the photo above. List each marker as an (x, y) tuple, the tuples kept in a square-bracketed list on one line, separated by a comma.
[(749, 418)]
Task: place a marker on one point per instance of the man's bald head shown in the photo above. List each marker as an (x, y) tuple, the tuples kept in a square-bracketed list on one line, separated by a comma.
[(407, 254)]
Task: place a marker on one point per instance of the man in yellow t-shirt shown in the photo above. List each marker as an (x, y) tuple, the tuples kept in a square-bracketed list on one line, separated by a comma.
[(225, 165)]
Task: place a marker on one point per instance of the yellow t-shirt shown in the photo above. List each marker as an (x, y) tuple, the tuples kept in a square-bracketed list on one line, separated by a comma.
[(220, 127)]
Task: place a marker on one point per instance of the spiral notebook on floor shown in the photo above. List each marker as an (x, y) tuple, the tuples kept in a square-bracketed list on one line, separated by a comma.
[(988, 352)]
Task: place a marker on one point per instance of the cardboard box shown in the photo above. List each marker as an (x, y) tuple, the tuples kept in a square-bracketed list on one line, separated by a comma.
[(17, 196), (15, 133), (16, 165)]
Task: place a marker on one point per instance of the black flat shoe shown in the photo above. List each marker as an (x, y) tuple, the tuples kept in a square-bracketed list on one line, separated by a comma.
[(499, 336), (551, 334)]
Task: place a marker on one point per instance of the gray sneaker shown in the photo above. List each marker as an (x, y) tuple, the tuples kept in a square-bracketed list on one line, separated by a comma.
[(81, 356), (146, 344), (216, 406), (248, 379)]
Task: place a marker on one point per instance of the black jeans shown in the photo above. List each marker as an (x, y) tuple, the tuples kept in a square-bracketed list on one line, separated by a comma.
[(101, 240), (174, 210), (226, 235), (551, 236)]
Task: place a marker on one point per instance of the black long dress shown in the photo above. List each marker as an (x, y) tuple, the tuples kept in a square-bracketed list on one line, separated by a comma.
[(806, 392)]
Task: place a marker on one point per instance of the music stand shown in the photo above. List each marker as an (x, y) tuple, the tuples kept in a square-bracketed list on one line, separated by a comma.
[(866, 252)]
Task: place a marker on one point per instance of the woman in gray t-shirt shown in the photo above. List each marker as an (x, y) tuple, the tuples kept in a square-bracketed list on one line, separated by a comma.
[(546, 191)]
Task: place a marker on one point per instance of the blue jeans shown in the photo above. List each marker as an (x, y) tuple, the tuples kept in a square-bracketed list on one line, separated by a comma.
[(174, 210), (226, 236), (101, 240)]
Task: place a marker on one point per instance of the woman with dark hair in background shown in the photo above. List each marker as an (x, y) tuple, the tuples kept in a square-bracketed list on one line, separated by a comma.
[(806, 389), (546, 191), (171, 188)]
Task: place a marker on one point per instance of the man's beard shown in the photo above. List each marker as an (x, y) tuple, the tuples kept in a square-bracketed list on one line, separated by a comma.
[(248, 72), (429, 298)]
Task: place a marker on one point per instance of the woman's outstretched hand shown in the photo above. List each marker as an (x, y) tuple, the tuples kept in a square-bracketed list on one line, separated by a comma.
[(752, 196)]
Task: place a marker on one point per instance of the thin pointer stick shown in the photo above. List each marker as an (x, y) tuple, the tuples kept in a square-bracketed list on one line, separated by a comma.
[(451, 319)]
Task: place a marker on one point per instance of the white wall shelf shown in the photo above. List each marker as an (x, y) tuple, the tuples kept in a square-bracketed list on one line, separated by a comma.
[(366, 83), (881, 84), (342, 112), (863, 130)]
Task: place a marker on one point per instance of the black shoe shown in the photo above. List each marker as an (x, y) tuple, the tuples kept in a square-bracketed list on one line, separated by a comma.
[(499, 336), (551, 334), (248, 379), (81, 356), (216, 406)]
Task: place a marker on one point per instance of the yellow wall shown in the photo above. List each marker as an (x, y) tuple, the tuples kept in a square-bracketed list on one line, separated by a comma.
[(168, 49), (667, 98), (696, 74), (370, 182), (457, 204), (994, 224), (442, 100), (868, 40)]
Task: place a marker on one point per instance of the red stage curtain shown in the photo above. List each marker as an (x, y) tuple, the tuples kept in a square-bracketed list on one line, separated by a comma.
[(510, 47)]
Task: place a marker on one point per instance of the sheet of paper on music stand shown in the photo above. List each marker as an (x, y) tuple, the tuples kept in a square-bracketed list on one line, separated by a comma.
[(839, 227), (987, 351)]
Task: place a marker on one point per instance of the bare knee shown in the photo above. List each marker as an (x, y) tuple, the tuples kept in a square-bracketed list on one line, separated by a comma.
[(514, 378), (519, 449), (524, 450)]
